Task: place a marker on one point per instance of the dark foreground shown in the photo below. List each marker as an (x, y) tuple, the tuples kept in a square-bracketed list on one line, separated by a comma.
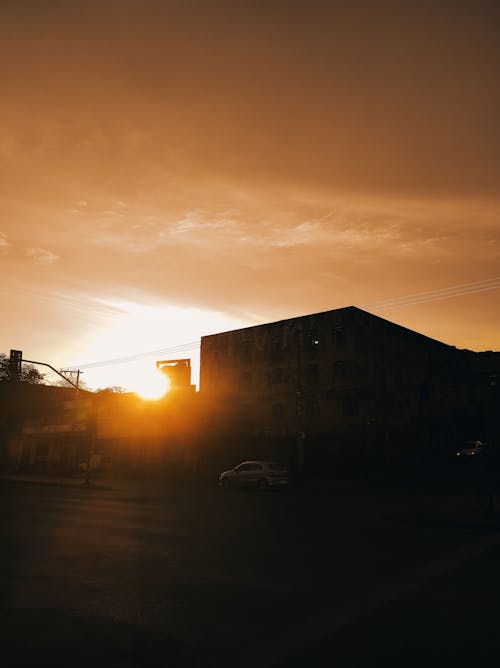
[(145, 575)]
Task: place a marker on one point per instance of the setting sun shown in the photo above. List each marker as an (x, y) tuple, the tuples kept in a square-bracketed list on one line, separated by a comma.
[(127, 328), (152, 386)]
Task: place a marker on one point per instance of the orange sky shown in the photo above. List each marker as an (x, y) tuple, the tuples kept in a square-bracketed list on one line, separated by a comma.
[(202, 165)]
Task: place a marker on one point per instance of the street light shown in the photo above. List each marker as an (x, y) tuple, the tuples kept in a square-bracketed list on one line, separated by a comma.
[(16, 357)]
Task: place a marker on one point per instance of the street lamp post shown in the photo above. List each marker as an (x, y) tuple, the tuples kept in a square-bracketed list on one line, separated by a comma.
[(19, 359)]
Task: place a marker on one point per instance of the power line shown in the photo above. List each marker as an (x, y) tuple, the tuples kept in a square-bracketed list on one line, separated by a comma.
[(461, 286), (181, 348), (416, 302), (435, 295), (380, 305)]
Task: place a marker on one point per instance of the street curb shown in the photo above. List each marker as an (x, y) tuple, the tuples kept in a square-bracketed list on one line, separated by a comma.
[(54, 483)]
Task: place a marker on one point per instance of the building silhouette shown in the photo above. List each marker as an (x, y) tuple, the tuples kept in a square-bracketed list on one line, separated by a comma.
[(341, 391), (344, 387)]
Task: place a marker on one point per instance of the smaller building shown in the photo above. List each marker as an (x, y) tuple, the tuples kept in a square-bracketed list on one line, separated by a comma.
[(51, 430), (70, 429)]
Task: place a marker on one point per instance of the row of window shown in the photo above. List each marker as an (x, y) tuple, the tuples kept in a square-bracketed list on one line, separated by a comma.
[(310, 341), (349, 408), (310, 373)]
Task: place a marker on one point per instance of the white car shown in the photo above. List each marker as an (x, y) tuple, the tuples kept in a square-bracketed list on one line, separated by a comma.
[(471, 449), (255, 474)]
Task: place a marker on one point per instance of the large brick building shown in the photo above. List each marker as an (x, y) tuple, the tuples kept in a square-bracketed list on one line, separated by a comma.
[(330, 384)]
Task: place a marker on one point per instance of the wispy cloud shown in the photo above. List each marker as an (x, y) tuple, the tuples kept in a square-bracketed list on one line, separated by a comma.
[(404, 228), (5, 244), (42, 256)]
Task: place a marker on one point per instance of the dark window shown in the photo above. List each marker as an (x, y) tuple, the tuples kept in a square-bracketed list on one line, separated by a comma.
[(338, 336), (244, 467), (346, 369), (312, 408), (276, 349), (42, 450), (312, 341), (249, 467), (379, 374), (278, 410), (277, 376), (425, 389), (350, 407), (311, 373), (245, 350)]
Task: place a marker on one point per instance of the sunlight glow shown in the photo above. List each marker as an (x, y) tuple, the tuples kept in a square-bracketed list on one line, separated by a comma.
[(152, 386), (132, 327)]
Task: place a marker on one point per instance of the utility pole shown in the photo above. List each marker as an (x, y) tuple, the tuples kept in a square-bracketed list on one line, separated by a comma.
[(16, 359), (59, 373), (72, 373), (77, 372)]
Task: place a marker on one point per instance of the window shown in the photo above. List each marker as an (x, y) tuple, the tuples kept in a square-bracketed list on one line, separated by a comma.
[(245, 350), (311, 373), (277, 410), (379, 374), (276, 349), (350, 407), (338, 336), (312, 408), (42, 450), (248, 466), (277, 376), (312, 341), (346, 369)]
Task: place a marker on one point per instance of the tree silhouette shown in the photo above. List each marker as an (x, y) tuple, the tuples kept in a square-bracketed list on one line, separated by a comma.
[(28, 373)]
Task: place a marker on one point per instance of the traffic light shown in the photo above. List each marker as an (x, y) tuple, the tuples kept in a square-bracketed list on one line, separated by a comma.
[(16, 357)]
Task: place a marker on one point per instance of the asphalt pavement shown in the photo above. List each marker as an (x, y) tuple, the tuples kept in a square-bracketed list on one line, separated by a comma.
[(143, 573)]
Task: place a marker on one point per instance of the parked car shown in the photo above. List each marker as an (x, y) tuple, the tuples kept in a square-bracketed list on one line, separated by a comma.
[(471, 449), (255, 474)]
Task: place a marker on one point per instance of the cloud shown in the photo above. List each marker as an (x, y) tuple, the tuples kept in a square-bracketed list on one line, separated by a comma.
[(42, 256), (5, 244)]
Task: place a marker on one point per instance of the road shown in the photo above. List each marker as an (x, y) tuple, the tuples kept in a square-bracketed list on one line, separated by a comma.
[(196, 576)]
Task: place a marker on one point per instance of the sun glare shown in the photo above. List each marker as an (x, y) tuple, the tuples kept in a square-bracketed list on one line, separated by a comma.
[(153, 386), (132, 328)]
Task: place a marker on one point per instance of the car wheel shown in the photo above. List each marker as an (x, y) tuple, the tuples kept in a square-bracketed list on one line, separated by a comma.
[(263, 484), (225, 484)]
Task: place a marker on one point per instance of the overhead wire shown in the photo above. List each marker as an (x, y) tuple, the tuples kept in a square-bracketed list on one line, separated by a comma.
[(181, 348), (379, 305), (435, 295)]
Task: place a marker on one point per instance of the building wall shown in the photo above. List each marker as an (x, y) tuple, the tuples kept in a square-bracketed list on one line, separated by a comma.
[(128, 432), (338, 377)]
